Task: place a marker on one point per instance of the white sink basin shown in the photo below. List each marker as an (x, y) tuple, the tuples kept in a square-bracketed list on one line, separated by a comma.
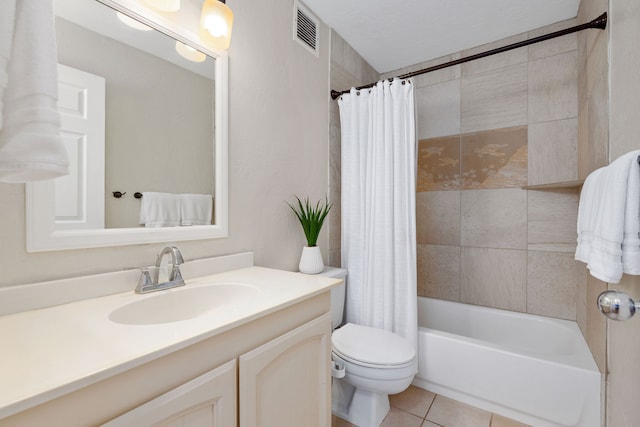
[(183, 303)]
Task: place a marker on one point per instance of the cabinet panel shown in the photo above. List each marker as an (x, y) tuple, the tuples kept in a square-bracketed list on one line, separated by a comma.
[(286, 382), (206, 401)]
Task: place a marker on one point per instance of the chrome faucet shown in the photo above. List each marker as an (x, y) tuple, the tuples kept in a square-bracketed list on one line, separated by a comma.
[(147, 284)]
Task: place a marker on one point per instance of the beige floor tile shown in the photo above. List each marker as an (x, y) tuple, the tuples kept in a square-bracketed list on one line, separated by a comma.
[(339, 422), (449, 413), (413, 400), (500, 421), (429, 424), (399, 418)]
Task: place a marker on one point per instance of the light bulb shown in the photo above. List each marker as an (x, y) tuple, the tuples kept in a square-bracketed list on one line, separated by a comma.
[(216, 23)]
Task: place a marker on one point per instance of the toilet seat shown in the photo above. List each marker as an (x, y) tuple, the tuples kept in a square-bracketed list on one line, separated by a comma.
[(372, 347)]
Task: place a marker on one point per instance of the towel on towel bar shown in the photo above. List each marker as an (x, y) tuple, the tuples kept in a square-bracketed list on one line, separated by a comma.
[(30, 144), (196, 209), (609, 220), (160, 209)]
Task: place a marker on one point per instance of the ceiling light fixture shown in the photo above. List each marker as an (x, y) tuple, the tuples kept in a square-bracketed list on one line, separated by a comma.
[(216, 22), (164, 5), (190, 53)]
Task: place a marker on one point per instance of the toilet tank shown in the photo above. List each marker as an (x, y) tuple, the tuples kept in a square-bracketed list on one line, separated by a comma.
[(337, 294)]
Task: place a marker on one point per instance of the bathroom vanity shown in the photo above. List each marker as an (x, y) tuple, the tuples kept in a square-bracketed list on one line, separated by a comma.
[(258, 356)]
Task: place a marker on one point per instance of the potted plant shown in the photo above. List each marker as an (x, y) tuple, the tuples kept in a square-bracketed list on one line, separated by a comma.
[(311, 218)]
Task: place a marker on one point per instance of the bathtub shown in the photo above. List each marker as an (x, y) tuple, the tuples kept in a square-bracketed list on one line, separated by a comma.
[(533, 369)]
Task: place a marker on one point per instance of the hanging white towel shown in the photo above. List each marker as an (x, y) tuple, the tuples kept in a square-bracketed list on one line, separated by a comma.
[(30, 144), (196, 209), (160, 209), (609, 220)]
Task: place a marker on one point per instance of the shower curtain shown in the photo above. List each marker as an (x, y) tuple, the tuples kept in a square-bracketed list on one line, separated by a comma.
[(378, 207)]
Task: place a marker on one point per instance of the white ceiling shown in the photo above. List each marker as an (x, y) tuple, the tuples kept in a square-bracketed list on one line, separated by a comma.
[(392, 34)]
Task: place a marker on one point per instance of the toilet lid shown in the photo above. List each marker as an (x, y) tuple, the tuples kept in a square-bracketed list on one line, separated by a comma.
[(372, 345)]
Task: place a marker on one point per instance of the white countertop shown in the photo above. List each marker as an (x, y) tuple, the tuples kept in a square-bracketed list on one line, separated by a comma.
[(49, 352)]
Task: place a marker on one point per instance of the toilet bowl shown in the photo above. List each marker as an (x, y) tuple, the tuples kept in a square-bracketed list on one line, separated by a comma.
[(368, 365)]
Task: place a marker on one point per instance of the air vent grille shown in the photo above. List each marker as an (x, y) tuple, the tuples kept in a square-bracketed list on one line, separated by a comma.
[(305, 28)]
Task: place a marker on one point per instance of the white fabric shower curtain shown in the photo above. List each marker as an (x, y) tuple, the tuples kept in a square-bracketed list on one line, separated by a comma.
[(378, 207)]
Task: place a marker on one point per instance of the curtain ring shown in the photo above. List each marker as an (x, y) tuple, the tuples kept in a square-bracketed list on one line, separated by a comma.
[(358, 93)]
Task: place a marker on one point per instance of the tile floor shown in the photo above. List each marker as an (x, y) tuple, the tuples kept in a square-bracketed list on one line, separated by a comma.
[(420, 408)]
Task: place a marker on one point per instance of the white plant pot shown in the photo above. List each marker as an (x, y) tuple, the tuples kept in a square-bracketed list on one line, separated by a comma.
[(311, 260)]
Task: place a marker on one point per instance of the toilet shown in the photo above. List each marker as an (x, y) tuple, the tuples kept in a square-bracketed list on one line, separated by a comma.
[(368, 364)]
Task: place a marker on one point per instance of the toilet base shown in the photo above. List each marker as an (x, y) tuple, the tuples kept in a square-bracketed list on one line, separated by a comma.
[(360, 407)]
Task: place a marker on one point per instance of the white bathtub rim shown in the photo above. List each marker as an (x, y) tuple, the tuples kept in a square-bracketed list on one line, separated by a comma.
[(581, 361)]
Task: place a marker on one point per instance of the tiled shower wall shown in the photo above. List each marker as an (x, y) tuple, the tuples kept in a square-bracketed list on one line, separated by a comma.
[(485, 129)]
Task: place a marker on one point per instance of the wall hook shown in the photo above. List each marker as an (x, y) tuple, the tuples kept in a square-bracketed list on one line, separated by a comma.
[(118, 194)]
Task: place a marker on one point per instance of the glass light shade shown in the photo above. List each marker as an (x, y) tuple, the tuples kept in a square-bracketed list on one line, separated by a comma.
[(164, 5), (216, 23), (132, 22), (190, 53)]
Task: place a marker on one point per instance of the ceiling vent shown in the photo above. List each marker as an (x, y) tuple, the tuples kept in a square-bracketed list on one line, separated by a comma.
[(305, 28)]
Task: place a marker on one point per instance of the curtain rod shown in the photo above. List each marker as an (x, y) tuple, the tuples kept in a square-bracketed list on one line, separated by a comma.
[(600, 22)]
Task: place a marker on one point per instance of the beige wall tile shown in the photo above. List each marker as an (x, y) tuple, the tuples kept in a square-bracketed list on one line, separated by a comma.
[(551, 284), (494, 62), (448, 412), (434, 77), (439, 271), (555, 46), (494, 159), (494, 218), (439, 164), (596, 323), (494, 99), (553, 90), (438, 217), (494, 278), (552, 218), (553, 151), (438, 110)]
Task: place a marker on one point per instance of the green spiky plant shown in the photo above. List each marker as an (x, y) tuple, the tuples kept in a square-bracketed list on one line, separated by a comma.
[(311, 217)]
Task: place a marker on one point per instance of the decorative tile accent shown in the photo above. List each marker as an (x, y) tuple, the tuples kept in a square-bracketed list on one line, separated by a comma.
[(551, 284), (495, 159), (494, 278), (438, 217), (494, 218), (439, 164), (496, 99), (439, 271)]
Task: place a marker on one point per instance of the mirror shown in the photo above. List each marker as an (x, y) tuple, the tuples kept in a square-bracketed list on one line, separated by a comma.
[(162, 125)]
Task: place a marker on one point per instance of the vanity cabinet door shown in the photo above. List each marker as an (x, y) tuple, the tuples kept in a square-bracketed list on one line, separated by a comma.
[(206, 401), (286, 382)]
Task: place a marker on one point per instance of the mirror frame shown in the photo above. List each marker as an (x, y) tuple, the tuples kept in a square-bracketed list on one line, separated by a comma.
[(40, 227)]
